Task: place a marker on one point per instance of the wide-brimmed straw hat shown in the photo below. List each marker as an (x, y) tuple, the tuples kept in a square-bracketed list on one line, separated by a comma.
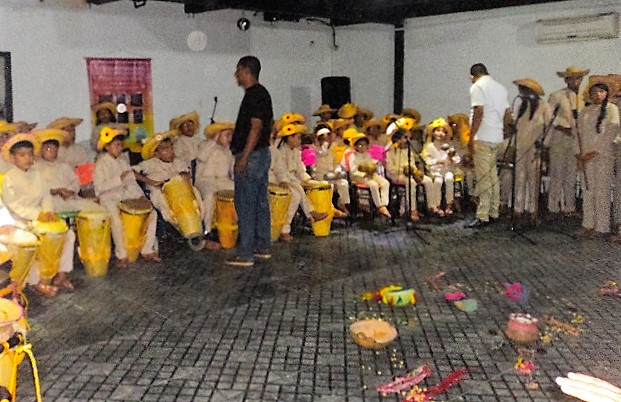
[(150, 146), (530, 84), (178, 121), (6, 127), (63, 122), (325, 108), (216, 127), (439, 122), (106, 135), (30, 137), (338, 123), (291, 129), (374, 122), (413, 113), (109, 106), (51, 134), (348, 111), (573, 71)]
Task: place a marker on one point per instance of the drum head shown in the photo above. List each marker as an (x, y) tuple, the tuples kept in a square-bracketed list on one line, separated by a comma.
[(277, 190), (226, 195), (93, 215), (136, 206), (57, 226)]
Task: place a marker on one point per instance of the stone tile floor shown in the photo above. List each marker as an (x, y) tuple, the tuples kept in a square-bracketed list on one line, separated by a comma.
[(193, 329)]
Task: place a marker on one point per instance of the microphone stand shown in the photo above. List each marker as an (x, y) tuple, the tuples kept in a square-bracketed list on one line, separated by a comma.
[(213, 112)]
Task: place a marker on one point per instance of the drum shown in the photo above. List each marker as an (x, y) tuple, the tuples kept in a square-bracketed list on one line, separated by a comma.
[(320, 197), (134, 214), (279, 199), (21, 248), (94, 242), (226, 218), (10, 315), (51, 242), (186, 210)]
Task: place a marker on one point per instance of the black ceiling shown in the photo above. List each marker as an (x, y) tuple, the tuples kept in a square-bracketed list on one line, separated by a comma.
[(343, 12)]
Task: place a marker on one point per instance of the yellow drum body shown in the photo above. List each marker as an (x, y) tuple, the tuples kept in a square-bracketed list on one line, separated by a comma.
[(320, 197), (21, 248), (94, 242), (186, 210), (226, 218), (10, 315), (279, 199), (134, 214), (51, 241)]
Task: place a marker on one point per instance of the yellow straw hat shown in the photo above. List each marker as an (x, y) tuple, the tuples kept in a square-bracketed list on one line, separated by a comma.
[(439, 122), (366, 113), (291, 129), (31, 138), (573, 71), (530, 84), (106, 135), (390, 117), (109, 106), (325, 108), (349, 134), (290, 118), (178, 121), (374, 122), (338, 123), (24, 126), (49, 134), (348, 111), (63, 122), (150, 146), (413, 113), (354, 139), (216, 127), (6, 127)]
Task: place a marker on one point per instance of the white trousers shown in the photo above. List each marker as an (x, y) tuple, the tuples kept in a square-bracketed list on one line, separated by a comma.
[(298, 198), (562, 194), (342, 188), (596, 201), (380, 189), (434, 190)]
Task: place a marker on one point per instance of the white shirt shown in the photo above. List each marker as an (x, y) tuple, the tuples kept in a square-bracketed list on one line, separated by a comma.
[(25, 195), (214, 161), (74, 155), (493, 97)]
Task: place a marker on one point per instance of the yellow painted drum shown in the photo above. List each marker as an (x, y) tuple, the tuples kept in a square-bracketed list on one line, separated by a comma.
[(94, 242), (10, 315), (22, 247), (186, 210), (320, 197), (226, 219), (51, 241), (279, 199), (134, 214)]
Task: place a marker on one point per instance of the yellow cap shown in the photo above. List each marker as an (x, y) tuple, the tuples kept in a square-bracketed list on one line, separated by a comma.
[(106, 135)]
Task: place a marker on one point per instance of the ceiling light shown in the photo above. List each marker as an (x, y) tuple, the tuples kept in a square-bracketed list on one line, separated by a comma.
[(243, 24)]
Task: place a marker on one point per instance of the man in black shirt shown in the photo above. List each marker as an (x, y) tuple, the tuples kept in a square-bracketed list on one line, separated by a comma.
[(250, 145)]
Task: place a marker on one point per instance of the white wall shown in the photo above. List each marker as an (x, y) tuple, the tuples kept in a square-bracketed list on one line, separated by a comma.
[(49, 41), (440, 50)]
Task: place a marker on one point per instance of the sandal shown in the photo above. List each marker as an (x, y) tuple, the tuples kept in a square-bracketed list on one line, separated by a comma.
[(384, 211), (448, 212), (61, 281), (414, 216), (122, 263), (438, 212), (153, 257), (46, 290)]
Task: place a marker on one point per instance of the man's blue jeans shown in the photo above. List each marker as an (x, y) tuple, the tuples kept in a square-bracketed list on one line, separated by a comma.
[(252, 206)]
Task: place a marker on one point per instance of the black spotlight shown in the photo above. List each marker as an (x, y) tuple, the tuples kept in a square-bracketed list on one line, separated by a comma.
[(243, 24)]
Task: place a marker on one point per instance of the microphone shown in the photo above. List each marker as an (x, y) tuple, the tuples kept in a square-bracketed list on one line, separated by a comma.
[(215, 99)]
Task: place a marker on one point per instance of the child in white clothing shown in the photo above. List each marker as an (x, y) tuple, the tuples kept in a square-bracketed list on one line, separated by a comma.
[(186, 144)]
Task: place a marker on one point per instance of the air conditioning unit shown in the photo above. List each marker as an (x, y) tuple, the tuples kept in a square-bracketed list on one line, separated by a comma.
[(600, 26)]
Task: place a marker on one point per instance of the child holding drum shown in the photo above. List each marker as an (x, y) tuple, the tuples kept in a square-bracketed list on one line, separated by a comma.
[(214, 170), (327, 167), (288, 171), (25, 195), (114, 182)]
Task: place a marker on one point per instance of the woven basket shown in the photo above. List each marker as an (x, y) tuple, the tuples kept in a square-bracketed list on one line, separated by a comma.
[(373, 334)]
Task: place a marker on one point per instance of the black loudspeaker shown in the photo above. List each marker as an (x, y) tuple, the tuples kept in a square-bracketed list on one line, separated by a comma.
[(335, 91)]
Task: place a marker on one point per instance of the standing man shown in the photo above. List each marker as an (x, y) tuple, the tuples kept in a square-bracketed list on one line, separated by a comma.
[(563, 142), (250, 146), (490, 116)]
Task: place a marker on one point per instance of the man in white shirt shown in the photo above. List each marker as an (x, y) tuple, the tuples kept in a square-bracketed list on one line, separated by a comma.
[(490, 116)]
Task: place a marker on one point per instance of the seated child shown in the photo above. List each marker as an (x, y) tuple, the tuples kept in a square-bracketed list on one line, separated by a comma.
[(399, 170), (69, 152), (186, 144), (374, 129), (288, 171), (28, 200), (441, 160), (159, 165), (114, 181), (214, 169), (58, 177), (327, 167), (363, 169)]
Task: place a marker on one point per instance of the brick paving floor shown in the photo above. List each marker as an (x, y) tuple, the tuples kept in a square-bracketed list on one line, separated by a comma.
[(193, 329)]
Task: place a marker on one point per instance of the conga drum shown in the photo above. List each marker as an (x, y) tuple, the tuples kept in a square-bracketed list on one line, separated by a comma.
[(22, 247), (134, 214), (94, 241), (186, 210), (10, 315), (279, 199), (226, 218), (51, 241), (320, 197)]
